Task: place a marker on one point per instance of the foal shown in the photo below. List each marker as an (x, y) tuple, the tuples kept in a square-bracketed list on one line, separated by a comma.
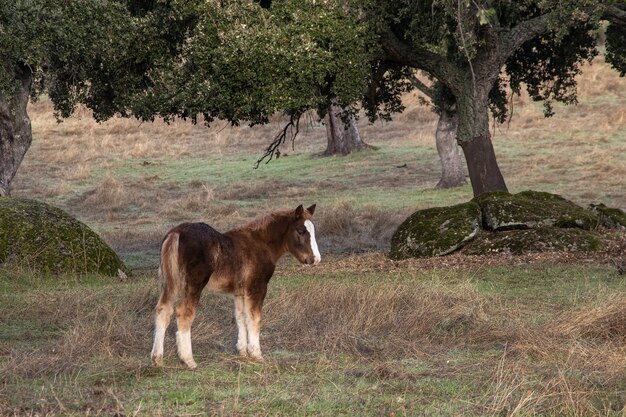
[(239, 262)]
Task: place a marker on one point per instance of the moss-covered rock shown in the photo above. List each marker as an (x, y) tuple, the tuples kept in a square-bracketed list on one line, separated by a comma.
[(612, 218), (43, 238), (435, 231), (532, 209), (521, 242)]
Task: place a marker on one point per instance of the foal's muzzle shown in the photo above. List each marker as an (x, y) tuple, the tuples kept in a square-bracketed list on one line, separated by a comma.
[(312, 260)]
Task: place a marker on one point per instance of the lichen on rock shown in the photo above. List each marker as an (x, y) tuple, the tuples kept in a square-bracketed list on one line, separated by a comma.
[(436, 231), (532, 209), (43, 238), (522, 242), (613, 218)]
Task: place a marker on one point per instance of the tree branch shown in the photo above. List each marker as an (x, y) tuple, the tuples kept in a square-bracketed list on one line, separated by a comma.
[(417, 83), (400, 52), (615, 14), (521, 34), (292, 128), (540, 25)]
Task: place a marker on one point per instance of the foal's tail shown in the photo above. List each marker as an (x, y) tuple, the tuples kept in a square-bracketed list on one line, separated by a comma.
[(171, 275)]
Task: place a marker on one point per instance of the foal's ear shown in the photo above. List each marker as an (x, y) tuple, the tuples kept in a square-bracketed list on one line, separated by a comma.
[(311, 209), (299, 211)]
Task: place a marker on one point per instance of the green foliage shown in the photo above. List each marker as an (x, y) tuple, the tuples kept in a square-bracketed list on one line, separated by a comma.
[(388, 85), (462, 33), (548, 65), (243, 62), (616, 47), (186, 58), (63, 44)]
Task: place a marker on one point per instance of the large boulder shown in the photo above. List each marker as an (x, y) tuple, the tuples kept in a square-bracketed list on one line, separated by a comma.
[(613, 218), (532, 209), (522, 242), (42, 238), (436, 231)]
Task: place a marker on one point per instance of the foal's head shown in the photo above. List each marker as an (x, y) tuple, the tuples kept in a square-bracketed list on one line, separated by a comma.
[(301, 237)]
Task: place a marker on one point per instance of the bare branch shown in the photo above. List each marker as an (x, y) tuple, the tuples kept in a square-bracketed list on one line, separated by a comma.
[(417, 83), (615, 14), (291, 130)]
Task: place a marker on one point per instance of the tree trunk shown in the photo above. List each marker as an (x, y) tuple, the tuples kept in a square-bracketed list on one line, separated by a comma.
[(342, 138), (15, 130), (482, 166), (452, 172), (475, 138)]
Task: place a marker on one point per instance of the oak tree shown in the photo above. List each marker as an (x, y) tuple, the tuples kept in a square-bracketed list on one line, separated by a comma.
[(467, 45)]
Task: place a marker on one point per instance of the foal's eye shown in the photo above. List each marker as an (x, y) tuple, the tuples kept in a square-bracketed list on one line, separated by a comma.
[(301, 232)]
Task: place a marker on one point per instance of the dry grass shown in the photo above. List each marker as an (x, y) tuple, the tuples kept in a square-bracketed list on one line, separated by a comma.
[(571, 364), (604, 321), (351, 230)]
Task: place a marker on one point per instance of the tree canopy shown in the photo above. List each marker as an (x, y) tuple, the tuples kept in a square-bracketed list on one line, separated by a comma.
[(477, 48), (238, 61)]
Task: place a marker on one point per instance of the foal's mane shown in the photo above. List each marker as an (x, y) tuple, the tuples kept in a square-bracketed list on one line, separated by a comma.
[(264, 221)]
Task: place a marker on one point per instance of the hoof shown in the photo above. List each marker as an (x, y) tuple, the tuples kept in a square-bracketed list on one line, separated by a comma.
[(189, 363), (258, 358), (157, 361)]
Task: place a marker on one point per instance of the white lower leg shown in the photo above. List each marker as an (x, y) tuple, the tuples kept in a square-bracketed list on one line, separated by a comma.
[(162, 320), (253, 325), (254, 346), (157, 347), (242, 334), (183, 342)]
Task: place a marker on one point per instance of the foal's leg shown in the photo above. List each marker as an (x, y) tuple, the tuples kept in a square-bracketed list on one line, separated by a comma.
[(242, 334), (252, 315), (185, 313), (164, 310)]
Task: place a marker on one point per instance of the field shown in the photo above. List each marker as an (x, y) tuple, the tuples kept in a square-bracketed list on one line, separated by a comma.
[(358, 334)]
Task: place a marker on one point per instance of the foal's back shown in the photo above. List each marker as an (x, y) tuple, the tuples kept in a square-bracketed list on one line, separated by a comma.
[(206, 254)]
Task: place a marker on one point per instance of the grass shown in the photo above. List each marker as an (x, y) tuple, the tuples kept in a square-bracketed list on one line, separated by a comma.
[(339, 341), (357, 335)]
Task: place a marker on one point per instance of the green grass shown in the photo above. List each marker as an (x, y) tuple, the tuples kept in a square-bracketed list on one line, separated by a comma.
[(321, 176), (549, 284)]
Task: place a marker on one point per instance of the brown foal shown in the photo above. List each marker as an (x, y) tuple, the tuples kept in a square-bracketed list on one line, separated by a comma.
[(239, 262)]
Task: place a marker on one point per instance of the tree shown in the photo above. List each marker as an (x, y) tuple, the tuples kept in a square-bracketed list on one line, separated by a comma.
[(58, 47), (243, 63), (36, 39), (342, 133), (452, 167), (15, 130), (237, 61), (466, 45), (187, 59)]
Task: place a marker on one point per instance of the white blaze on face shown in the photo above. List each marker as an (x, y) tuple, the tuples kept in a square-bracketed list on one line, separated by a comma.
[(316, 252)]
